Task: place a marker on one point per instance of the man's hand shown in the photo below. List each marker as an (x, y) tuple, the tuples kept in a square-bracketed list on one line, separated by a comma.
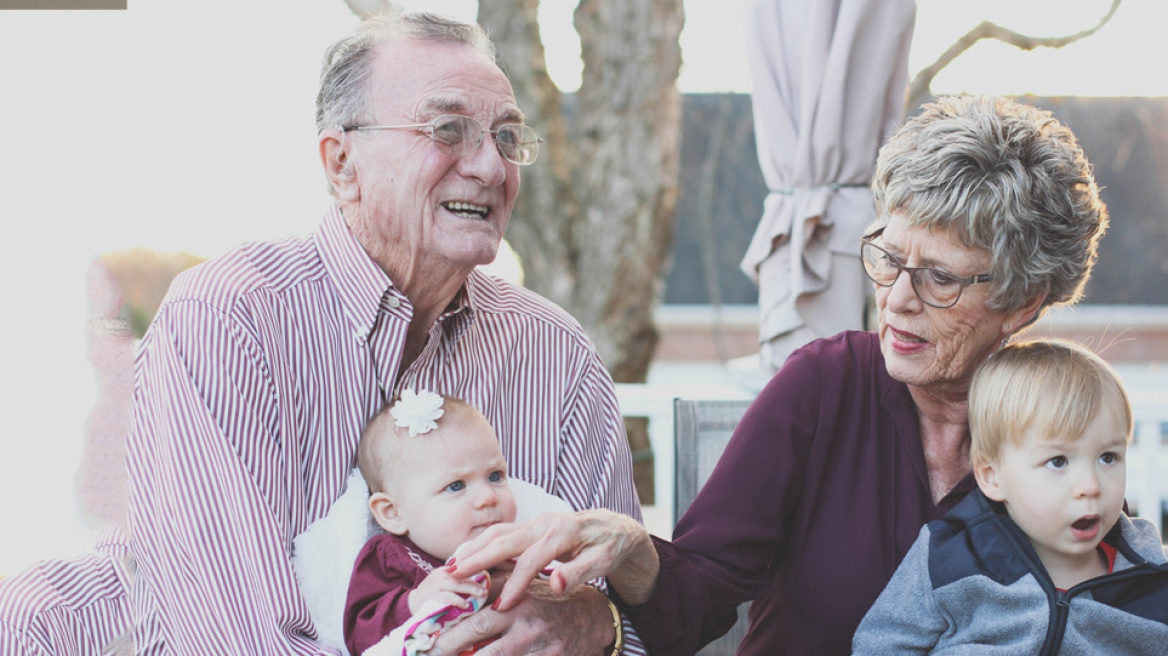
[(543, 622)]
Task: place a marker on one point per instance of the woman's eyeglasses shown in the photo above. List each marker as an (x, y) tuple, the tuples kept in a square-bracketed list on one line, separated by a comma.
[(935, 287)]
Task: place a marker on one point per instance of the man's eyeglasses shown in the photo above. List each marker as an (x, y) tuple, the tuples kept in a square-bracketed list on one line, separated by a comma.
[(937, 288), (459, 136)]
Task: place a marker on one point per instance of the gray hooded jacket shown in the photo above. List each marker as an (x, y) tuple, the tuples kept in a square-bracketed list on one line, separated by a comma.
[(972, 584)]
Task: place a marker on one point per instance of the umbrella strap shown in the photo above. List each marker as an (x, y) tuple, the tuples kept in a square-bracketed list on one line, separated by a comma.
[(833, 186)]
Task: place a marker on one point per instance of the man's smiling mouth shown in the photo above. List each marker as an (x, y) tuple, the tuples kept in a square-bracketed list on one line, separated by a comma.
[(467, 210)]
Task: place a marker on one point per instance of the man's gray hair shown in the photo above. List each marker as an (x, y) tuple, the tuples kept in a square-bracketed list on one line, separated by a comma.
[(348, 63), (1003, 177)]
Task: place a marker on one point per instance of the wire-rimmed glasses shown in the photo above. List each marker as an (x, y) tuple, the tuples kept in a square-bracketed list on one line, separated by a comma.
[(459, 136), (935, 287)]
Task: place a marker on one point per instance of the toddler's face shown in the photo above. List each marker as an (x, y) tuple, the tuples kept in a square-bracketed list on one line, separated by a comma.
[(1064, 495), (452, 484)]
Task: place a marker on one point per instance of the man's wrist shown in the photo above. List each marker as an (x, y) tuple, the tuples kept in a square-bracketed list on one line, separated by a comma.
[(618, 643)]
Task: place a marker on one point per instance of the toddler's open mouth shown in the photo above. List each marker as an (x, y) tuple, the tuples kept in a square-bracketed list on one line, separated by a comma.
[(1086, 528)]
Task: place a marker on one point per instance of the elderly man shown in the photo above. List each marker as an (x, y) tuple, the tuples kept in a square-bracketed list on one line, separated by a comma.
[(261, 367)]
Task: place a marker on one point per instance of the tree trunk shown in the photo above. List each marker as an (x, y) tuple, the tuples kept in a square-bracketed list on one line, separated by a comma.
[(542, 220), (630, 120), (593, 225)]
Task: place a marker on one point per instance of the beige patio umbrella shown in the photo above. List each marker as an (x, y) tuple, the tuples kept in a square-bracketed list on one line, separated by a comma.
[(829, 79)]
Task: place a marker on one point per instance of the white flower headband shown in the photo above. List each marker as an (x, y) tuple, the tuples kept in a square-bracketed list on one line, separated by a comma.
[(418, 411)]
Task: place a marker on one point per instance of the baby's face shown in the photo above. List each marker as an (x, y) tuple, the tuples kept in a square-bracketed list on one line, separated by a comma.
[(452, 484), (1065, 495)]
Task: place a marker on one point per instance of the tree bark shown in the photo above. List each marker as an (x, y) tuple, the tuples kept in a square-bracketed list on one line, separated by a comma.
[(593, 226), (366, 8), (541, 223), (630, 120)]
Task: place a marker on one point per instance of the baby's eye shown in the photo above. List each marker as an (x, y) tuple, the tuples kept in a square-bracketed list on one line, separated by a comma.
[(496, 477), (1109, 458), (1057, 462), (456, 486)]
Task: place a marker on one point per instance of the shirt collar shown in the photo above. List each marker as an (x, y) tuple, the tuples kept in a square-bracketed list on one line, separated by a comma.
[(360, 283), (463, 300), (459, 315), (1109, 554)]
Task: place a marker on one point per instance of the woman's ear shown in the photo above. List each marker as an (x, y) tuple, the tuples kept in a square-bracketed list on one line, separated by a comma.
[(338, 165), (1022, 317), (387, 514), (987, 479)]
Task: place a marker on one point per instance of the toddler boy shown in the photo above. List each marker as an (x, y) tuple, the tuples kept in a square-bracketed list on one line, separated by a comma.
[(1042, 559)]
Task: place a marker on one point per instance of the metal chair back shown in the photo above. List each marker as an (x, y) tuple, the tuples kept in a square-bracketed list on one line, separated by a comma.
[(701, 431)]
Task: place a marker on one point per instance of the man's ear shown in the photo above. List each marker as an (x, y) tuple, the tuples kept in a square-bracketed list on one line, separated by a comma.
[(338, 166), (987, 479), (386, 513)]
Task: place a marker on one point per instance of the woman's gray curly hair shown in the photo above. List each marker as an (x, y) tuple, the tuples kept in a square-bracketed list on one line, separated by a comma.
[(1003, 177), (349, 62)]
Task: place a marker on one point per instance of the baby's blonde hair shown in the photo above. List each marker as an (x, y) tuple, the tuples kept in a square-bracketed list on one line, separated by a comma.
[(379, 447), (1054, 388)]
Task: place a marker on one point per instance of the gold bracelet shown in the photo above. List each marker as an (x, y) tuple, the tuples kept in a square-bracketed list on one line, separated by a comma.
[(619, 643)]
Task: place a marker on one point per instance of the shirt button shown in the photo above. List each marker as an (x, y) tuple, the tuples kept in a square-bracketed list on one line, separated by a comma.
[(393, 302)]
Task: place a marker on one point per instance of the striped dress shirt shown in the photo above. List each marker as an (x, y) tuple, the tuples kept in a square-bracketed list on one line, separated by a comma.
[(251, 390), (75, 606)]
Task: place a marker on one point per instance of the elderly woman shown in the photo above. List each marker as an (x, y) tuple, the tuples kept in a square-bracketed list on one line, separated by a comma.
[(988, 215)]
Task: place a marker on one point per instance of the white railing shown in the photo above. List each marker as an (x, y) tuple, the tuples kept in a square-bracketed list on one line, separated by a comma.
[(655, 402), (1147, 475), (1147, 482)]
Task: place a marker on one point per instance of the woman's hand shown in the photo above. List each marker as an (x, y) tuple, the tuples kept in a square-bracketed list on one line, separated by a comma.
[(589, 544)]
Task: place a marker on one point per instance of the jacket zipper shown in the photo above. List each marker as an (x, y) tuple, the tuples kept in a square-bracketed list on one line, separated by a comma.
[(1060, 601), (1058, 622)]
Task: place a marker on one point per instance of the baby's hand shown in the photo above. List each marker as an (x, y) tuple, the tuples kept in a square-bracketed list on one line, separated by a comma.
[(440, 586)]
